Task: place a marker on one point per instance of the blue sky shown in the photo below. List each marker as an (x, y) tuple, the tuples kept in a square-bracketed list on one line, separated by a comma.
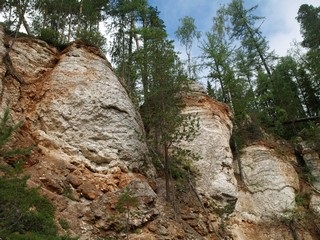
[(280, 26)]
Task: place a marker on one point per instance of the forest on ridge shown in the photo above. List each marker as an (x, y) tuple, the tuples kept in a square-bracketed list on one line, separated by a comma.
[(279, 93)]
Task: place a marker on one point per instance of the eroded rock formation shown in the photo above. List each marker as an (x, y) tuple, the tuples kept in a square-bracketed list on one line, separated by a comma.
[(89, 149), (74, 104), (310, 160), (267, 196), (87, 136), (271, 183), (216, 176)]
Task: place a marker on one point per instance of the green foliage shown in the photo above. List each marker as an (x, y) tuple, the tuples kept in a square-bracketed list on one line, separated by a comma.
[(126, 201), (52, 37), (210, 90), (248, 78), (163, 100), (186, 34), (68, 192), (24, 210), (308, 176), (7, 128), (162, 115), (181, 164), (285, 103), (36, 236), (136, 25), (309, 70), (24, 213), (307, 86), (302, 199), (64, 224), (247, 132), (309, 19), (311, 134), (14, 13), (92, 38)]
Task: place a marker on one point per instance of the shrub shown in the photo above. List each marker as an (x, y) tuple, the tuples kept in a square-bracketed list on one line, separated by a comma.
[(24, 213), (92, 38), (49, 35), (24, 210), (52, 37), (7, 128), (311, 134)]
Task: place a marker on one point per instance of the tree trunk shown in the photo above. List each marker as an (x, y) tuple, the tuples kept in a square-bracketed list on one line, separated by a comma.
[(79, 16), (256, 45), (69, 27), (167, 172), (293, 230), (307, 119), (188, 51), (26, 26), (127, 222)]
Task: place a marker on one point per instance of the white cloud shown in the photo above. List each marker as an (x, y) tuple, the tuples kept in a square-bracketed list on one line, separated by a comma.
[(281, 27)]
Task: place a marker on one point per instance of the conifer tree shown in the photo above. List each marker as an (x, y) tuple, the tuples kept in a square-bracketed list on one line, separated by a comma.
[(309, 19), (127, 14), (243, 28), (7, 128)]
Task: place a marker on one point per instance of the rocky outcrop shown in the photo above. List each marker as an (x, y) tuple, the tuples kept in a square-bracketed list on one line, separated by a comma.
[(270, 184), (310, 160), (87, 136), (216, 176), (87, 202), (88, 114), (266, 206), (74, 106), (89, 152)]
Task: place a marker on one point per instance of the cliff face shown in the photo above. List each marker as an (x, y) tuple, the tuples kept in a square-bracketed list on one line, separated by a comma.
[(87, 136), (216, 176), (89, 147), (74, 104)]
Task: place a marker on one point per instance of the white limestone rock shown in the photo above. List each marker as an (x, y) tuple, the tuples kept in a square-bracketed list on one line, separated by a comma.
[(315, 204), (271, 183), (87, 114), (216, 178), (72, 105), (311, 159)]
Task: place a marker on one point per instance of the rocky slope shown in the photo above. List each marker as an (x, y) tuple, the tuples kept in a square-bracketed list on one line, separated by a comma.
[(89, 152)]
